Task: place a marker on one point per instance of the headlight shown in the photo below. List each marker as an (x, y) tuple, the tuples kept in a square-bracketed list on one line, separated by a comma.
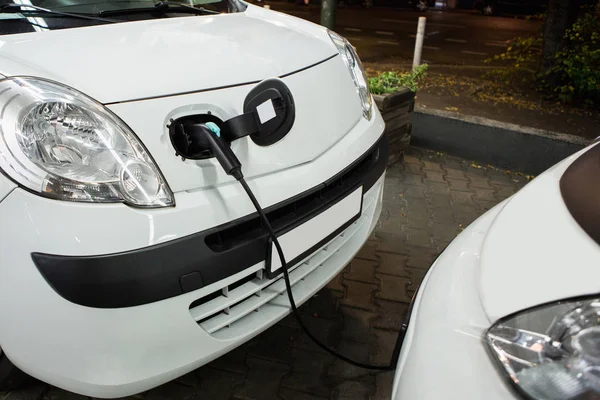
[(62, 144), (356, 71), (552, 352)]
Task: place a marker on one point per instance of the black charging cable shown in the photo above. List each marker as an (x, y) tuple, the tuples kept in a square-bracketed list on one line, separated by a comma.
[(232, 166)]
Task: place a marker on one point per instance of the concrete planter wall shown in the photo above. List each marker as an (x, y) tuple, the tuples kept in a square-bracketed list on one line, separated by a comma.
[(396, 109)]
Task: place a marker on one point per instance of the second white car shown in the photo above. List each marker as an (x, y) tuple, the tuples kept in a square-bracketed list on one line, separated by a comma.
[(511, 309)]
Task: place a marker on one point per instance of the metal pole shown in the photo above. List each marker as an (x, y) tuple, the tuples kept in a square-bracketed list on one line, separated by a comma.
[(418, 42), (328, 13)]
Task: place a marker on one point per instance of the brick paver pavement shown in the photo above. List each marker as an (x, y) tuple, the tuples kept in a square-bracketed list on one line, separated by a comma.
[(429, 198)]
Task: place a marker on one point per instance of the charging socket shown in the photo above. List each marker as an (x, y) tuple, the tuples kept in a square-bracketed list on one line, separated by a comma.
[(181, 142)]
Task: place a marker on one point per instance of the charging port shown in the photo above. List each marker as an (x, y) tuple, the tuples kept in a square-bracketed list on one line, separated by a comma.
[(180, 141), (269, 114)]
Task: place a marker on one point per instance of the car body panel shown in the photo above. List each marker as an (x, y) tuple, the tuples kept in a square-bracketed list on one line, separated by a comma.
[(443, 355), (134, 60), (240, 58), (318, 126), (535, 252)]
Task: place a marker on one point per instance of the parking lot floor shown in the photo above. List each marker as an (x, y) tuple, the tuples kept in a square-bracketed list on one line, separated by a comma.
[(429, 198)]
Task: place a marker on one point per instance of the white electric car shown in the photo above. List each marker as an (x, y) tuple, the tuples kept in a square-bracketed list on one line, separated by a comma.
[(127, 258), (511, 309)]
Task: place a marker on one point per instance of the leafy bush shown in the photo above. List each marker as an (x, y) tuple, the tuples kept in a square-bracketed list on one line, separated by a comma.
[(577, 68), (575, 76), (390, 82), (522, 58)]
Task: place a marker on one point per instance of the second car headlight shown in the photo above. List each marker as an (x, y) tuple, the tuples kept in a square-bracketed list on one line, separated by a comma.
[(61, 144), (356, 71), (552, 352)]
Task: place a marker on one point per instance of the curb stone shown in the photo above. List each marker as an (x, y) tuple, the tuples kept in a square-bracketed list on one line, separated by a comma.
[(508, 146)]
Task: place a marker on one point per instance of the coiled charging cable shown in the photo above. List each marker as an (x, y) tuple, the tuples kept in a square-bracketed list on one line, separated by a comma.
[(209, 133)]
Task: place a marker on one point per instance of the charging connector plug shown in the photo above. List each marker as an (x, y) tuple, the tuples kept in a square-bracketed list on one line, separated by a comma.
[(208, 136)]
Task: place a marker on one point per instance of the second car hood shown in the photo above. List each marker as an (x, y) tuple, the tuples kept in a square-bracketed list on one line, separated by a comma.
[(535, 252), (136, 60)]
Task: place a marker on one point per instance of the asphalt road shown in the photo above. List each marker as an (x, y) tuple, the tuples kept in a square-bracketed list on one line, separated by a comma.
[(452, 37)]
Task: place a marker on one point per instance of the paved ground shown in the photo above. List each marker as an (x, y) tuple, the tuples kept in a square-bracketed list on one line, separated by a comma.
[(428, 199), (452, 37)]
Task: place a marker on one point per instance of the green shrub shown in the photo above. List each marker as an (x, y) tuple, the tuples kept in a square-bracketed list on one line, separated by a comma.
[(575, 76), (521, 59), (390, 82)]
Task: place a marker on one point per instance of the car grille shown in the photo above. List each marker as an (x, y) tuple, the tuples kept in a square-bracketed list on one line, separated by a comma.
[(235, 309)]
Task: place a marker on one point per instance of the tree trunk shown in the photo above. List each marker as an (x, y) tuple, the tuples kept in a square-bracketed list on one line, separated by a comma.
[(598, 8), (560, 15)]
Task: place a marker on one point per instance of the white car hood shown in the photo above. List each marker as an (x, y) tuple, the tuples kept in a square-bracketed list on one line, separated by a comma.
[(137, 60), (535, 252)]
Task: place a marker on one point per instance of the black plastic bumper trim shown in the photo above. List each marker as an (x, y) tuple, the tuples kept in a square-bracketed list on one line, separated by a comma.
[(179, 266)]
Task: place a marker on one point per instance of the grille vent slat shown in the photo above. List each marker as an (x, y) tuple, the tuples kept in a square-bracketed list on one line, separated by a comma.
[(250, 294)]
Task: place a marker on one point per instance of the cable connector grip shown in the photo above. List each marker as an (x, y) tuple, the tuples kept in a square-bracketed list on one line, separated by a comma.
[(208, 135)]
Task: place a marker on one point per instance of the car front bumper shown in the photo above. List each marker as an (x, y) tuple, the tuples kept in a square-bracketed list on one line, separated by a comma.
[(443, 354), (113, 337)]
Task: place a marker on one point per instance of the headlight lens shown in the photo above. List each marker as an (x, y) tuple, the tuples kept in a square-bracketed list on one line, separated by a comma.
[(356, 71), (62, 144), (553, 352)]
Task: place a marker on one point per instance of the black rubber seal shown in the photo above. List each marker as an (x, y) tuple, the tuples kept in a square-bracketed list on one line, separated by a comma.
[(170, 269)]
